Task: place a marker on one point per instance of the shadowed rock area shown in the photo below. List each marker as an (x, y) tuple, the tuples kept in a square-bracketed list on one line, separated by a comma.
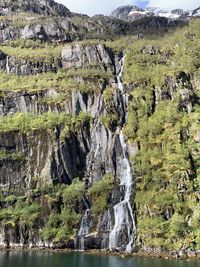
[(99, 130)]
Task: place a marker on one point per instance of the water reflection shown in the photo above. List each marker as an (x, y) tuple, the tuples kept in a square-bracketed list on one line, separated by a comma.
[(50, 259)]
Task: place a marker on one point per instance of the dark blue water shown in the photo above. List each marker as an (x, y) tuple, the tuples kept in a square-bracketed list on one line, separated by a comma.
[(48, 259)]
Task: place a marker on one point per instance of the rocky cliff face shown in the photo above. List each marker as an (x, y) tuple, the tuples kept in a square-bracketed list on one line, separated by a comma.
[(196, 12), (52, 22), (44, 158), (44, 7), (90, 133), (124, 11), (133, 13)]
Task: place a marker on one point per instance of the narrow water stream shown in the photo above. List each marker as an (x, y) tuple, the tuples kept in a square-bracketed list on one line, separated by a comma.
[(123, 214), (124, 218), (122, 223)]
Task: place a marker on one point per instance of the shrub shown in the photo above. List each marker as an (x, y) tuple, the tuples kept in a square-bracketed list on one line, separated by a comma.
[(100, 192)]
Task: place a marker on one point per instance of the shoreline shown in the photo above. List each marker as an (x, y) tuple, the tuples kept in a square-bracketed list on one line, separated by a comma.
[(172, 255), (144, 254)]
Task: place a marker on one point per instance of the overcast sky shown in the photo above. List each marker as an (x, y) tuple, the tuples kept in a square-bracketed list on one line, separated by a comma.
[(92, 7)]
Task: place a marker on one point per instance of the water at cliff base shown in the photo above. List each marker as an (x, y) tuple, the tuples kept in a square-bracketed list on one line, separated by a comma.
[(56, 259)]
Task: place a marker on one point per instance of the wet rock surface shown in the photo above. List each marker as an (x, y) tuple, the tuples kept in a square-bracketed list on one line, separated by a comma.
[(36, 164)]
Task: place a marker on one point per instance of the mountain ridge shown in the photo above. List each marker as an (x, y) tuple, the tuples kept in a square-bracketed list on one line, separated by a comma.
[(132, 13), (99, 131), (45, 7), (127, 12)]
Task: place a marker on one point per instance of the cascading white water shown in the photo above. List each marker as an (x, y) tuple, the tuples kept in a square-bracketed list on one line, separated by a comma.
[(84, 228), (123, 214), (120, 85), (7, 65), (122, 235), (85, 224)]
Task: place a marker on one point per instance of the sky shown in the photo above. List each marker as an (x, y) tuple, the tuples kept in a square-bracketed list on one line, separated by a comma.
[(92, 7)]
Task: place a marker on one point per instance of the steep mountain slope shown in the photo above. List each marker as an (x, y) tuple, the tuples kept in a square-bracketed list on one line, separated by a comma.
[(196, 12), (132, 13), (124, 11), (44, 7), (163, 121), (99, 139), (49, 21)]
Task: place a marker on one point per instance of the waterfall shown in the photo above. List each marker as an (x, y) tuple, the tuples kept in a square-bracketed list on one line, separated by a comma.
[(84, 228), (122, 235), (120, 86), (7, 65), (85, 224)]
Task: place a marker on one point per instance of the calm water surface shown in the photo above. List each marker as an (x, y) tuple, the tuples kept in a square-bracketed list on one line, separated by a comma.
[(47, 259)]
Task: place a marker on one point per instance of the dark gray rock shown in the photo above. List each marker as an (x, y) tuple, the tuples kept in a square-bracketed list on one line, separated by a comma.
[(124, 11), (22, 67), (45, 7), (196, 12), (180, 84), (8, 34)]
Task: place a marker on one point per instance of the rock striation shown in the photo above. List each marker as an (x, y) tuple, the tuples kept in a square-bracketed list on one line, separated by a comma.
[(90, 131)]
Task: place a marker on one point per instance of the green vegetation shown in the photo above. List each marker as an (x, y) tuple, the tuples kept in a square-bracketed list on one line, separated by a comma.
[(90, 73), (20, 19), (148, 62), (167, 134), (119, 44), (35, 83), (163, 120), (62, 226), (73, 193), (108, 95), (35, 51), (26, 122), (34, 210), (59, 98), (24, 213), (110, 121), (4, 155), (62, 81), (100, 193), (167, 180)]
